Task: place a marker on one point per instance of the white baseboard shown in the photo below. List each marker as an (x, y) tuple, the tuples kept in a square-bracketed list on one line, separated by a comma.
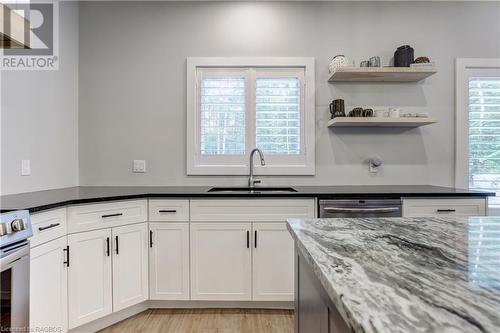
[(111, 319), (219, 305), (116, 317)]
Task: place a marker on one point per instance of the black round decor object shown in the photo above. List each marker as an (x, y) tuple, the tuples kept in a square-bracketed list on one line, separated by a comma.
[(404, 56)]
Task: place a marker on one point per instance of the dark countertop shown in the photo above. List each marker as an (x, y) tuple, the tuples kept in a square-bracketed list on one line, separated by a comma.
[(428, 274), (42, 200)]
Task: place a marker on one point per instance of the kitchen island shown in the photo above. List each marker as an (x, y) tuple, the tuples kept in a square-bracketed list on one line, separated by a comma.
[(397, 274)]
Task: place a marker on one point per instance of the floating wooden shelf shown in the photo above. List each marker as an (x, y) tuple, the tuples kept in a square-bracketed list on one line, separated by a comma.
[(381, 74), (379, 122)]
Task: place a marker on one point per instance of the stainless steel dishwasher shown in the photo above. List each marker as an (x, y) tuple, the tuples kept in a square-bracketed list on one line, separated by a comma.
[(360, 208)]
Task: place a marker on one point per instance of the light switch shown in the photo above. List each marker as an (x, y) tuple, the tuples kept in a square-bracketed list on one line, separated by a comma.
[(139, 166), (25, 168)]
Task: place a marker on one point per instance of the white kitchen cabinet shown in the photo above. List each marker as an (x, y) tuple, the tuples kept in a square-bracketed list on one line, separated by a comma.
[(106, 215), (169, 261), (221, 266), (130, 265), (424, 207), (254, 210), (89, 279), (49, 286), (48, 225), (273, 274), (168, 210)]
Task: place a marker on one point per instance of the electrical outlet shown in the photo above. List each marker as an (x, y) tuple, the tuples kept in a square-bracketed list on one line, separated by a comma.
[(25, 168), (139, 166)]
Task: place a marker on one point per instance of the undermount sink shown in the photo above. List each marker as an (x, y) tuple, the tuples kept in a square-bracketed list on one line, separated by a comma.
[(252, 190)]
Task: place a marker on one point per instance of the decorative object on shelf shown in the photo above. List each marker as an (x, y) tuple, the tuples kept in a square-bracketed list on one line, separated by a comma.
[(394, 112), (415, 115), (422, 60), (381, 113), (422, 115), (364, 63), (338, 61), (374, 61), (337, 108), (404, 56), (367, 113), (356, 112), (431, 64)]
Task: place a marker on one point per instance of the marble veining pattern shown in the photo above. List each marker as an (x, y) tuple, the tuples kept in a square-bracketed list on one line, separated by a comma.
[(407, 274)]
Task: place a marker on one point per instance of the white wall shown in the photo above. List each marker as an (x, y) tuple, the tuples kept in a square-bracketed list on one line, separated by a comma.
[(39, 114), (132, 82)]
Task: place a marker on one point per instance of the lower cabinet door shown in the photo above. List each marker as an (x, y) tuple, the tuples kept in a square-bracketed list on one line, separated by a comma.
[(89, 280), (49, 287), (221, 261), (169, 261), (273, 264), (130, 265)]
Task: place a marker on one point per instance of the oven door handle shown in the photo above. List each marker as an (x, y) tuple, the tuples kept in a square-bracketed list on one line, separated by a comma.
[(361, 210), (19, 252)]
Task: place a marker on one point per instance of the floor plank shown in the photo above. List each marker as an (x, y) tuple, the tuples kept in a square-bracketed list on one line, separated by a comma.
[(206, 321)]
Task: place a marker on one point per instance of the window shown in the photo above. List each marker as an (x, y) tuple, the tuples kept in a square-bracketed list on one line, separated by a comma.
[(484, 254), (222, 115), (278, 118), (478, 126), (236, 104)]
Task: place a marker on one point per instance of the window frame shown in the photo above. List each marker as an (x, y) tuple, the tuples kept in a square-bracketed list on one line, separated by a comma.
[(303, 164), (465, 68)]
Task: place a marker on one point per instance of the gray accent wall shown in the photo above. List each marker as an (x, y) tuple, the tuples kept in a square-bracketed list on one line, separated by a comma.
[(39, 118), (132, 82), (119, 94)]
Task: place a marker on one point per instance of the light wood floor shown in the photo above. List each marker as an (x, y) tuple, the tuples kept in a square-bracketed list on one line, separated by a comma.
[(206, 321)]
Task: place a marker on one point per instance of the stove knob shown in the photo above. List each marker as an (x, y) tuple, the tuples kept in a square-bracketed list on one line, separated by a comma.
[(17, 225), (3, 229)]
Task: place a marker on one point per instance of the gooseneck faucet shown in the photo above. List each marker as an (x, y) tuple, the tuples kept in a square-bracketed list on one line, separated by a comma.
[(251, 180)]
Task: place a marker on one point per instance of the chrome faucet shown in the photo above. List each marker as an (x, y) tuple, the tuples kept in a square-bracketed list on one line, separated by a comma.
[(251, 180)]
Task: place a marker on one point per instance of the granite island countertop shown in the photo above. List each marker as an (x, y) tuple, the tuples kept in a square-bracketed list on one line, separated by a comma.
[(407, 274), (49, 199)]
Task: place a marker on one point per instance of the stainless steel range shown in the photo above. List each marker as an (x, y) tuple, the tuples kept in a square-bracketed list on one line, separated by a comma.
[(15, 229)]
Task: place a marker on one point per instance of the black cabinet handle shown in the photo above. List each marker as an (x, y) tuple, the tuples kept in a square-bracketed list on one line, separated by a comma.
[(248, 239), (67, 256), (150, 238), (446, 210), (107, 246), (111, 215), (167, 211), (116, 240), (255, 238), (53, 225)]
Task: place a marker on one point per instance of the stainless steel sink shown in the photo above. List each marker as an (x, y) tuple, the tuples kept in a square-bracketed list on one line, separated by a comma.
[(253, 190)]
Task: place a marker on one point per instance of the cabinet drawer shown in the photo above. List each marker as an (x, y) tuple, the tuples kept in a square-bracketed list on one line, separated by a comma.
[(255, 210), (443, 207), (106, 215), (48, 225), (169, 210)]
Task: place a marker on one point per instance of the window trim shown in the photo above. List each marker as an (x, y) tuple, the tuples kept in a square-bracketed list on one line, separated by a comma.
[(463, 68), (193, 167)]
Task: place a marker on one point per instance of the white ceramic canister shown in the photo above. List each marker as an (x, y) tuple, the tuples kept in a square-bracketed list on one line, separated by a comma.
[(394, 112)]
